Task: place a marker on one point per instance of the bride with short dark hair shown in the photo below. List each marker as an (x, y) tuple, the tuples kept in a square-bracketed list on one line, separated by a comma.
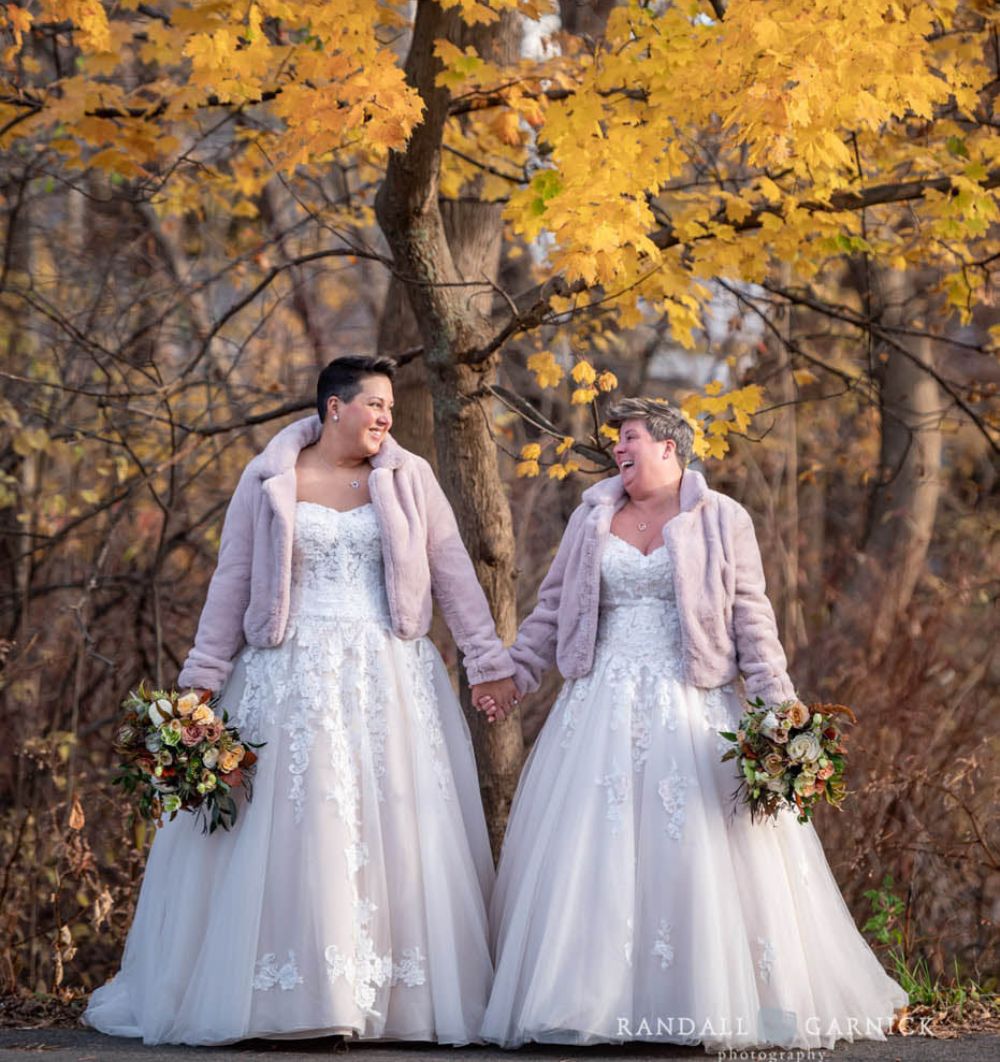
[(350, 897)]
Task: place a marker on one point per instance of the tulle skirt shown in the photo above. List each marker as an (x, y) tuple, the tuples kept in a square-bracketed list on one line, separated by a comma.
[(632, 903), (351, 895)]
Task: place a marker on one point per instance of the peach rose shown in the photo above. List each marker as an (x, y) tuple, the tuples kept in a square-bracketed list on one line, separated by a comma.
[(202, 714), (228, 761), (798, 713), (187, 703)]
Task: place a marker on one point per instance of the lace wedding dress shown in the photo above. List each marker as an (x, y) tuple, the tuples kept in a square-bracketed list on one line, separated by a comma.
[(351, 895), (632, 902)]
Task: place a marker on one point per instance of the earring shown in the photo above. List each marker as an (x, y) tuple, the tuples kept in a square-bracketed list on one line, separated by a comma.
[(335, 417)]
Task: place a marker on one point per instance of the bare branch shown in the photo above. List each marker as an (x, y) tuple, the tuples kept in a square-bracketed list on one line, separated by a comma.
[(885, 334)]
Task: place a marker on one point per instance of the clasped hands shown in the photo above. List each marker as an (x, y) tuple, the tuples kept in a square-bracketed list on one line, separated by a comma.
[(496, 699)]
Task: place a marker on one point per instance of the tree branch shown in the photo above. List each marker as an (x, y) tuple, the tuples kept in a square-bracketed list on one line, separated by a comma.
[(877, 195), (884, 333), (539, 298)]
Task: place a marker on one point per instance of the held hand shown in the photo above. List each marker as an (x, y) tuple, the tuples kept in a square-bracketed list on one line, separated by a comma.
[(495, 699)]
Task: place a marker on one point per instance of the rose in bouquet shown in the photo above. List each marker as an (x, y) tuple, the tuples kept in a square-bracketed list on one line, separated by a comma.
[(790, 756), (177, 754)]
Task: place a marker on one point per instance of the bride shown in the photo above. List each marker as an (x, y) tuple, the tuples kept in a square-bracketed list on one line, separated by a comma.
[(350, 897), (631, 902)]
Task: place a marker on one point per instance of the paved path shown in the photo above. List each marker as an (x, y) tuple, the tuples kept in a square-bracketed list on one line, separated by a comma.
[(81, 1045)]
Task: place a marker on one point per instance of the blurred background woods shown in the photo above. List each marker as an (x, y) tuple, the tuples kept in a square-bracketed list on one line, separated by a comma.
[(783, 219)]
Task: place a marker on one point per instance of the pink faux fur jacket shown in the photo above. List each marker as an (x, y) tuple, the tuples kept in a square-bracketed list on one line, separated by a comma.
[(727, 623), (249, 593)]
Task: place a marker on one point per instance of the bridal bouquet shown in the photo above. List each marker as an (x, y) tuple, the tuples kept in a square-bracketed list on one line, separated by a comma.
[(177, 754), (790, 756)]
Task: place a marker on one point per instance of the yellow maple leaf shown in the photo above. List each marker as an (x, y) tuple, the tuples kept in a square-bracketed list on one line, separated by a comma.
[(608, 432), (583, 396), (458, 65), (472, 11), (748, 398), (803, 377), (19, 20), (548, 372), (741, 418), (566, 443), (531, 451), (607, 381), (527, 469), (584, 373), (716, 446), (112, 160)]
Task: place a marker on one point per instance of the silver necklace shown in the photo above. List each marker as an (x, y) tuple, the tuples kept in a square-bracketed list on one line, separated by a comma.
[(355, 483), (641, 525)]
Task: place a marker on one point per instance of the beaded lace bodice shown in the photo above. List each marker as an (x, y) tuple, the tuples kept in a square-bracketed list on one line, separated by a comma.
[(337, 571), (638, 610)]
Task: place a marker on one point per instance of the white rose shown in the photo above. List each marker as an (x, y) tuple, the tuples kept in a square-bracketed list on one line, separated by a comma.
[(770, 727), (211, 758), (160, 711), (776, 785), (804, 747)]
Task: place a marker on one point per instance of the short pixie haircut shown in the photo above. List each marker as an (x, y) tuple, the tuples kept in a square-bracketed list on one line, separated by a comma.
[(662, 422), (342, 378)]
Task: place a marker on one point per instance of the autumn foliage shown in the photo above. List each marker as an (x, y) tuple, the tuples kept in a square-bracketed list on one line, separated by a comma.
[(783, 216)]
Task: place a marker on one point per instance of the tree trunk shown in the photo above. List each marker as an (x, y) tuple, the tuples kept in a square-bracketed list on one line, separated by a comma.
[(278, 212), (585, 18), (452, 311), (905, 498), (413, 415), (792, 622)]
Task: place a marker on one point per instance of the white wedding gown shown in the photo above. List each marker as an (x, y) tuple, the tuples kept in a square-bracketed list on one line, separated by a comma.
[(632, 902), (351, 895)]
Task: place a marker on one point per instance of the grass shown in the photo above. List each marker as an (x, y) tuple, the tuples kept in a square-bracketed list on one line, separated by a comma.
[(938, 1006)]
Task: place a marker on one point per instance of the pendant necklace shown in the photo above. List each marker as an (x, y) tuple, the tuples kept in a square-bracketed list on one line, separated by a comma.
[(641, 525), (354, 483)]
